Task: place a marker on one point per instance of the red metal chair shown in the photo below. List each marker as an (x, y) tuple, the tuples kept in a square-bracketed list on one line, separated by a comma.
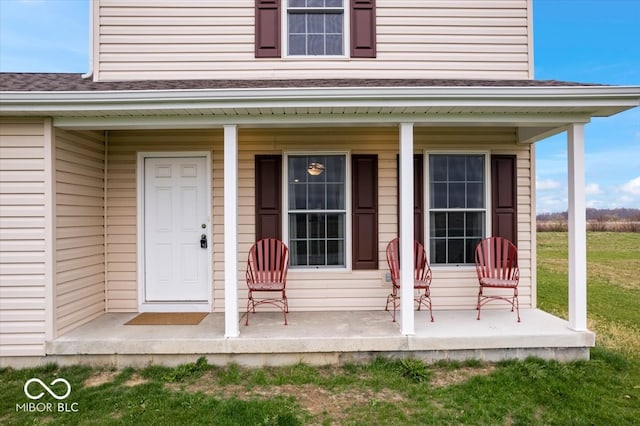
[(421, 276), (267, 268), (497, 267)]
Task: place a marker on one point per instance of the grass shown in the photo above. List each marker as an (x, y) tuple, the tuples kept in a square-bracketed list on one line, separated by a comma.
[(605, 390)]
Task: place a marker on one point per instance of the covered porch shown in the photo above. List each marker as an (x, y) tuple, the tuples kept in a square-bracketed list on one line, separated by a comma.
[(95, 141), (322, 338)]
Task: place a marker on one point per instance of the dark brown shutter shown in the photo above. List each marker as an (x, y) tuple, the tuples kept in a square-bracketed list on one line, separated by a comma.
[(363, 28), (268, 196), (267, 29), (418, 197), (503, 197), (365, 211)]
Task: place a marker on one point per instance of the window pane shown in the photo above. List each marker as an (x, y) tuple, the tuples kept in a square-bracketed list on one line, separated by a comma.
[(457, 196), (439, 196), (315, 22), (439, 224), (317, 227), (297, 24), (297, 3), (457, 166), (456, 224), (472, 243), (298, 253), (475, 224), (475, 168), (475, 195), (315, 3), (315, 45), (317, 198), (438, 251), (335, 252), (333, 3), (334, 45), (335, 168), (456, 250), (335, 196), (334, 23), (317, 253), (298, 226), (297, 45), (438, 168), (298, 196), (335, 226)]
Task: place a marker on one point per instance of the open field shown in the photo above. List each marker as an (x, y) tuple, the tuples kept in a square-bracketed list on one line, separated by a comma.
[(603, 391)]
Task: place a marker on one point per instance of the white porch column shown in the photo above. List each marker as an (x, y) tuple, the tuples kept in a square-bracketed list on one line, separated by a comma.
[(577, 229), (231, 327), (407, 323)]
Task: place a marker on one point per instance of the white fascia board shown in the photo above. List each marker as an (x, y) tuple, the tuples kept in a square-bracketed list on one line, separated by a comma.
[(591, 100)]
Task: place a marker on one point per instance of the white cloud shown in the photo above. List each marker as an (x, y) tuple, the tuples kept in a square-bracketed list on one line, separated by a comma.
[(593, 189), (633, 186), (547, 184)]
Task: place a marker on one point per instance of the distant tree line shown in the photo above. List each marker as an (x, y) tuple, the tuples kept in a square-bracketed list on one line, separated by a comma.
[(613, 220)]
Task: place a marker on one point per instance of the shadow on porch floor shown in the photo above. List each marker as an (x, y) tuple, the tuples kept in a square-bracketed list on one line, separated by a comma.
[(322, 338)]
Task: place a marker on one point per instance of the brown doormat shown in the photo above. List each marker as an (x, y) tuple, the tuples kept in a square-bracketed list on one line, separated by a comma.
[(168, 318)]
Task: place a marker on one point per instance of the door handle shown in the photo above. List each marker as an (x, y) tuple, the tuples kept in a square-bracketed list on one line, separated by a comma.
[(203, 241)]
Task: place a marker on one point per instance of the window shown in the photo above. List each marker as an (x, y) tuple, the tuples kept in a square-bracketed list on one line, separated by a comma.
[(457, 207), (316, 189), (315, 27)]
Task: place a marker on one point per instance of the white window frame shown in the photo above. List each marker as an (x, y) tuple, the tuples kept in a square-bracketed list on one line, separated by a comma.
[(346, 36), (348, 240), (427, 199)]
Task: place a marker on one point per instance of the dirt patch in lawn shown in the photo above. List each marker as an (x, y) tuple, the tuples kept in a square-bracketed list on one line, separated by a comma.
[(100, 378), (443, 378)]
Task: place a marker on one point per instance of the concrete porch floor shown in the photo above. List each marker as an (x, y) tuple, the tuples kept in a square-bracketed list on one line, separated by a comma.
[(322, 338)]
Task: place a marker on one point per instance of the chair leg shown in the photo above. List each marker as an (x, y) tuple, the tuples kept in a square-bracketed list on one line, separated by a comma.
[(285, 307), (391, 299), (479, 298), (517, 303), (250, 303)]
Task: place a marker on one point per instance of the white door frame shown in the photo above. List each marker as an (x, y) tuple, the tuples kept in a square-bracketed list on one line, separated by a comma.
[(143, 305)]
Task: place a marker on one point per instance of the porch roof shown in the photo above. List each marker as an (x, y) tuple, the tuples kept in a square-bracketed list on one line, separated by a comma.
[(543, 107)]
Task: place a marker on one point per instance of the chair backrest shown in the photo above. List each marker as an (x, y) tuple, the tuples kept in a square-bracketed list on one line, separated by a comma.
[(421, 268), (268, 262), (497, 257)]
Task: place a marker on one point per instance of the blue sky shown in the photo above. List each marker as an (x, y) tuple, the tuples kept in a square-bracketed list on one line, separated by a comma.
[(591, 41)]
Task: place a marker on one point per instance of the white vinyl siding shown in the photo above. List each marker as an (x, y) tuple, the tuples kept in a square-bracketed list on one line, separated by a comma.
[(80, 278), (451, 39), (25, 210)]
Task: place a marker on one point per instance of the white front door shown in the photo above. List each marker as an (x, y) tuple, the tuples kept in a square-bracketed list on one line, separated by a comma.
[(175, 220)]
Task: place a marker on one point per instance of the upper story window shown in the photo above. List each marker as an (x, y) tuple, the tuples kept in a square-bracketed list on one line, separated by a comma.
[(315, 27), (457, 207)]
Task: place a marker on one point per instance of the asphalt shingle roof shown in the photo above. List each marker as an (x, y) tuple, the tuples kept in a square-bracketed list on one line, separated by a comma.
[(71, 82)]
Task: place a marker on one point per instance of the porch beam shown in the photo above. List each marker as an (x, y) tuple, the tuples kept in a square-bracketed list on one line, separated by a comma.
[(407, 321), (577, 229), (231, 327)]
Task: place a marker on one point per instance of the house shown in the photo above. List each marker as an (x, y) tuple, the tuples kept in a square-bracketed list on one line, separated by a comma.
[(208, 118)]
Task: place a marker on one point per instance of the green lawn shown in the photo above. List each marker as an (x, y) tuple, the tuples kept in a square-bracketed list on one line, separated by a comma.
[(603, 391)]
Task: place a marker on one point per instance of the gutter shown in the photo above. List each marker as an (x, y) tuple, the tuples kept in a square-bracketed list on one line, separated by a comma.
[(89, 73)]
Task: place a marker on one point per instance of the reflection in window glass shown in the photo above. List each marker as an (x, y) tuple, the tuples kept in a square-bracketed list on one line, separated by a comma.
[(317, 209)]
